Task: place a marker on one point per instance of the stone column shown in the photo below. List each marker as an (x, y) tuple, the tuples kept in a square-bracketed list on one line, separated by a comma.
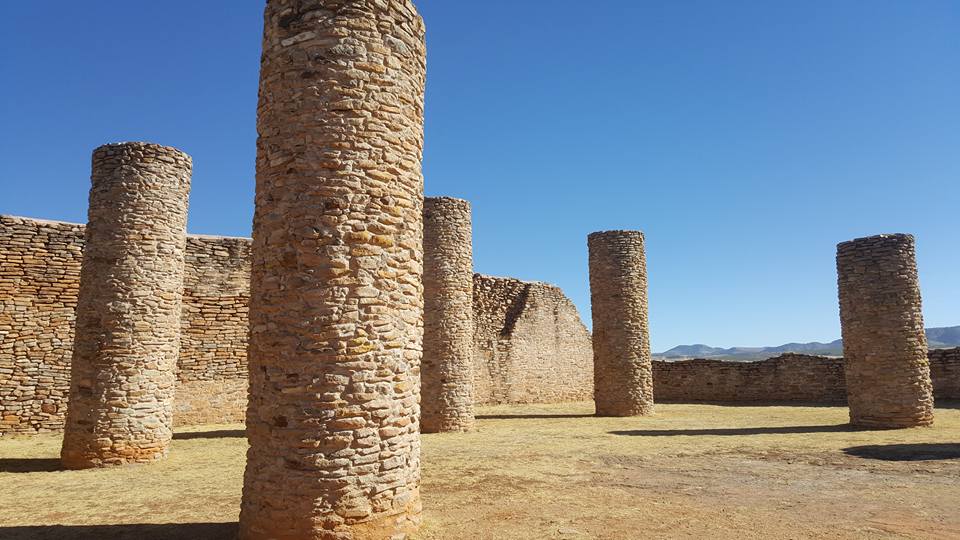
[(336, 307), (128, 311), (447, 396), (622, 368), (884, 344)]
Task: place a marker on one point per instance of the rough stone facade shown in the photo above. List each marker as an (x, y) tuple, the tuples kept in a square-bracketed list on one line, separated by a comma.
[(623, 375), (945, 373), (530, 345), (336, 305), (39, 283), (212, 369), (446, 395), (884, 345), (789, 378), (123, 369)]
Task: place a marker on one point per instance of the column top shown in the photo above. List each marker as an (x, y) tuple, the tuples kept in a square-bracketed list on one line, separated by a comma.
[(616, 233), (141, 146), (887, 238)]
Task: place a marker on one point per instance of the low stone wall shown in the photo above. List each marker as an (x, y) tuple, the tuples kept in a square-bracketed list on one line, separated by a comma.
[(39, 283), (530, 345), (786, 378), (789, 378), (945, 373)]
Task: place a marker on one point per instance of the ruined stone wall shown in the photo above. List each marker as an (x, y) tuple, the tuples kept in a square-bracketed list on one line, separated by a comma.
[(39, 283), (212, 370), (530, 345), (945, 373), (786, 378)]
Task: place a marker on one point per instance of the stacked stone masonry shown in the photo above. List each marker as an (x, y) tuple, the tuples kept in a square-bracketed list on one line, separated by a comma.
[(39, 283), (336, 304), (789, 378), (623, 375), (884, 345), (530, 345), (553, 362), (127, 340), (446, 373)]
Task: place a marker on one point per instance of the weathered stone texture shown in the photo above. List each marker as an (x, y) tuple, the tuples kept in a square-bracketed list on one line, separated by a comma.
[(530, 345), (212, 368), (336, 309), (884, 345), (128, 313), (446, 374), (945, 373), (39, 282), (623, 375), (788, 378)]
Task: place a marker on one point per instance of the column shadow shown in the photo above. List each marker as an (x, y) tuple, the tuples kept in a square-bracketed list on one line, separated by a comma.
[(215, 434), (29, 465), (837, 428), (167, 531), (530, 416), (906, 452)]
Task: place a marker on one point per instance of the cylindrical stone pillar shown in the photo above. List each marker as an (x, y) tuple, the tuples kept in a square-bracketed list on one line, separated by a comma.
[(884, 344), (336, 306), (128, 312), (447, 393), (622, 368)]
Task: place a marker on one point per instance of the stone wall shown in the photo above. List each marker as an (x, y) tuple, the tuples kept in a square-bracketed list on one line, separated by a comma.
[(39, 282), (789, 378), (519, 325), (786, 378), (945, 373), (213, 343), (530, 345)]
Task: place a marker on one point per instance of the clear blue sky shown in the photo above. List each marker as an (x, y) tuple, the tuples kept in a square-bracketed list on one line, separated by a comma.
[(746, 138)]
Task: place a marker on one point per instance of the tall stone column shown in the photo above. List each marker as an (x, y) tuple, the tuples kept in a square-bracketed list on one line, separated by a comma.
[(884, 344), (622, 368), (336, 307), (447, 396), (128, 311)]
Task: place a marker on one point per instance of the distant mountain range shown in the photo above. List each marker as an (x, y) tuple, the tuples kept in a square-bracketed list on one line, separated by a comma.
[(937, 338)]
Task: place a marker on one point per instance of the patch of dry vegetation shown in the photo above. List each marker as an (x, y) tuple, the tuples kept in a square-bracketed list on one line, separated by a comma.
[(553, 471)]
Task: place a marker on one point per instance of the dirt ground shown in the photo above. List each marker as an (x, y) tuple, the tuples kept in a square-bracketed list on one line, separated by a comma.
[(552, 471)]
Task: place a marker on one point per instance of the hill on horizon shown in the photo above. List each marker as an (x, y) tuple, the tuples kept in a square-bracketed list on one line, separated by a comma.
[(937, 338)]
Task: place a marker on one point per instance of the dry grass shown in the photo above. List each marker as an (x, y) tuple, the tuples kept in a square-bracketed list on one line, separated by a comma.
[(553, 471)]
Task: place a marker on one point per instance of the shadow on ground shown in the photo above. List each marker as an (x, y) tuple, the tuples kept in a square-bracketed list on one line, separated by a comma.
[(169, 531), (530, 416), (216, 434), (906, 452), (29, 465), (739, 431)]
